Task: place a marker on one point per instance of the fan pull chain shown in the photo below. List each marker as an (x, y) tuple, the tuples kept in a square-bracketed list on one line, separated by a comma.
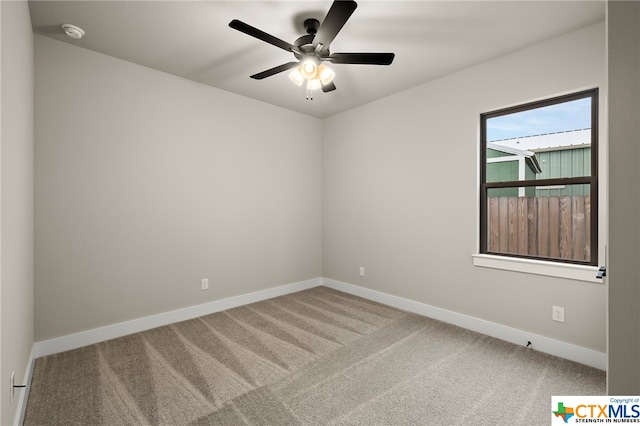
[(309, 94)]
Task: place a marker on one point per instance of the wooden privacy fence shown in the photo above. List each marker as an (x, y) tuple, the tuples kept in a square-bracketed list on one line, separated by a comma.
[(556, 226)]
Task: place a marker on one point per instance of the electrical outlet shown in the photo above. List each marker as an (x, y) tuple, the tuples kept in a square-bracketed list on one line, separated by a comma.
[(557, 313), (362, 271), (12, 382), (205, 284)]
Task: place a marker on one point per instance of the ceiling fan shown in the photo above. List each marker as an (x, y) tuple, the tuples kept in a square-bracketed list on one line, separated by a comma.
[(312, 49)]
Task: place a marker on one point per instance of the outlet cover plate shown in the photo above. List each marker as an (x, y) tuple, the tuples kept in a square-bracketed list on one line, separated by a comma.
[(557, 313)]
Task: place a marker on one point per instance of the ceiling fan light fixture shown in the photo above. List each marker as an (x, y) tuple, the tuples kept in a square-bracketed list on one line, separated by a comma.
[(314, 84), (325, 74), (309, 68), (316, 75), (296, 76)]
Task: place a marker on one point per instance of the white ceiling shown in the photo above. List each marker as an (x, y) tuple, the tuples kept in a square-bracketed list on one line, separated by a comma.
[(192, 39)]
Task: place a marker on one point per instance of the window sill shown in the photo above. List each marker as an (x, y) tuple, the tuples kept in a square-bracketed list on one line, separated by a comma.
[(538, 267)]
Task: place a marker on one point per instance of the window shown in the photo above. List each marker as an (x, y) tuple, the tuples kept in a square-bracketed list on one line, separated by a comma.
[(539, 180)]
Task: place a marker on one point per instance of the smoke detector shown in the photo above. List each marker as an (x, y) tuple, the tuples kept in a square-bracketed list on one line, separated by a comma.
[(73, 31)]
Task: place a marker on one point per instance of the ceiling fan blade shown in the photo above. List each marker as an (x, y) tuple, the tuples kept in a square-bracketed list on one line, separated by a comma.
[(275, 70), (361, 58), (328, 87), (261, 35), (337, 16)]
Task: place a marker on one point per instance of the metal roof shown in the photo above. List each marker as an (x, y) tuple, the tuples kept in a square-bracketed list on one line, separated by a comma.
[(569, 139)]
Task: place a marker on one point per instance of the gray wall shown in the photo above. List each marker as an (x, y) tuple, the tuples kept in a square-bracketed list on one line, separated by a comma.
[(624, 198), (146, 183), (16, 225), (400, 192)]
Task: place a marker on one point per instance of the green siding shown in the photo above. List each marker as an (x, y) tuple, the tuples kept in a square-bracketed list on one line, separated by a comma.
[(565, 163), (503, 171), (492, 153), (507, 171), (554, 164)]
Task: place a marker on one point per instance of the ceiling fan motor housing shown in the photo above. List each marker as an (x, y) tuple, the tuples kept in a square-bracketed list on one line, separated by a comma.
[(305, 46), (305, 43), (311, 26)]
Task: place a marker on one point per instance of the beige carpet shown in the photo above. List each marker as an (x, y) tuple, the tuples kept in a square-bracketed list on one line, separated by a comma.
[(316, 357)]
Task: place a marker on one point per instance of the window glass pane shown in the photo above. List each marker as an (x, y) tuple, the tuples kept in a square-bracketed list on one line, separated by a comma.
[(541, 224), (540, 143)]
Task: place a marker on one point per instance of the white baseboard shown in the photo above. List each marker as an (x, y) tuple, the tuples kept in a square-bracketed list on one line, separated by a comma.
[(564, 350), (89, 337), (24, 393), (544, 344)]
